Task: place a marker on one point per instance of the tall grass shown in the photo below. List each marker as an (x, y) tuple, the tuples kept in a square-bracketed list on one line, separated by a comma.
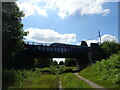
[(33, 79), (15, 78), (29, 79), (44, 81), (71, 81), (104, 72)]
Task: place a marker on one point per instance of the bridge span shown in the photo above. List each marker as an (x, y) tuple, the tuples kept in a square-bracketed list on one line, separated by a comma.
[(56, 50), (82, 54)]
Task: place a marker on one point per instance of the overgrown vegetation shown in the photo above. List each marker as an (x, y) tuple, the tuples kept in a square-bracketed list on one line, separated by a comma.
[(43, 62), (110, 48), (71, 81), (56, 69), (40, 78), (29, 79), (70, 62), (52, 70), (104, 72), (64, 69)]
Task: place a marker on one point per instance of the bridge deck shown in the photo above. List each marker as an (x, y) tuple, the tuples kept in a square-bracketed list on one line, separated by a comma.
[(56, 51)]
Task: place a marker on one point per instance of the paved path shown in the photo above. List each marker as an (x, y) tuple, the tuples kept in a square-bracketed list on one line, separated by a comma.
[(60, 85), (89, 82)]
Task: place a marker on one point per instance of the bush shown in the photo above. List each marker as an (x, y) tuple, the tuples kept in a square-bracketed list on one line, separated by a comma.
[(104, 72), (17, 78), (70, 62), (110, 48)]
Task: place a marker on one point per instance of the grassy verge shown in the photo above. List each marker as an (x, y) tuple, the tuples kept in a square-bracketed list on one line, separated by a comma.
[(29, 79), (105, 72), (71, 81)]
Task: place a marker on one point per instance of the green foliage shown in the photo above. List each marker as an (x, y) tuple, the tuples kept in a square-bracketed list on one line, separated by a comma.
[(64, 69), (55, 63), (70, 62), (110, 47), (61, 63), (43, 62), (56, 69), (51, 69), (17, 78), (36, 79), (104, 72), (43, 69), (28, 79), (71, 81), (43, 81), (12, 31)]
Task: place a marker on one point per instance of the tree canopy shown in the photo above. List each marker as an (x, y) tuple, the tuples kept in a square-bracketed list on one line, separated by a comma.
[(43, 62), (55, 63), (70, 62), (61, 63), (12, 31), (84, 43), (110, 47)]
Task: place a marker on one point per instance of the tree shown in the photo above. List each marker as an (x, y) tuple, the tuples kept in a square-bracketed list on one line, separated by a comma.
[(12, 32), (110, 47), (70, 62), (61, 63), (84, 43), (55, 63), (43, 62)]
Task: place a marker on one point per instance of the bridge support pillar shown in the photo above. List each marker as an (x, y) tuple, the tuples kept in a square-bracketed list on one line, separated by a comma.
[(82, 62), (24, 61)]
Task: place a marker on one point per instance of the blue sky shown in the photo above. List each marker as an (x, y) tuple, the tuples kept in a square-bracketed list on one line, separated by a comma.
[(85, 27), (80, 27), (69, 21)]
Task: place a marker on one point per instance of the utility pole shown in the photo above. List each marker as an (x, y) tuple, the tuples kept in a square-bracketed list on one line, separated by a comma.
[(99, 37)]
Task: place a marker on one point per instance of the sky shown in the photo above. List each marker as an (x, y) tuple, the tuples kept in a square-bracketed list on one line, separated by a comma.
[(69, 21)]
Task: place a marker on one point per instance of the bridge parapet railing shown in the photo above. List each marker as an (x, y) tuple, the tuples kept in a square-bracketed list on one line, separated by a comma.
[(36, 43)]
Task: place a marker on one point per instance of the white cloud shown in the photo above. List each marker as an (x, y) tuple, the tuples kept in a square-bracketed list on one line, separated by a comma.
[(108, 37), (112, 0), (91, 41), (105, 37), (64, 7), (31, 8), (49, 36), (26, 7)]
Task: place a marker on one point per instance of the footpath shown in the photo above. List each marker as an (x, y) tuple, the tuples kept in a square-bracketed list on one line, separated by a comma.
[(92, 84)]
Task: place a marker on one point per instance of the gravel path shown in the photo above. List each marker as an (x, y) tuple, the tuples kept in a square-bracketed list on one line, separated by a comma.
[(92, 84)]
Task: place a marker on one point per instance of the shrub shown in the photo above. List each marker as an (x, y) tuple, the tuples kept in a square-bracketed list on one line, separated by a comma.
[(104, 72)]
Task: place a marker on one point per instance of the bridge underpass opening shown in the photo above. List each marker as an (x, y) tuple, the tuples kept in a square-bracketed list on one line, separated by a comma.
[(47, 62), (59, 59), (58, 52)]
